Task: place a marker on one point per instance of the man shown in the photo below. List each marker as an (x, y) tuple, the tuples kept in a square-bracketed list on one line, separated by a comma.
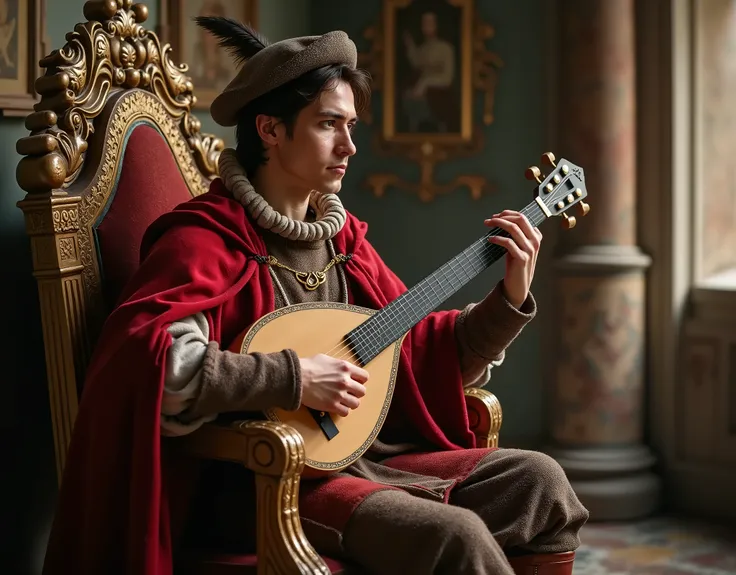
[(433, 60), (272, 232)]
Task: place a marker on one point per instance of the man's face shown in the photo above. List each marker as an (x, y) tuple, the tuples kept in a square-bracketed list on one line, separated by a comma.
[(429, 24), (316, 156)]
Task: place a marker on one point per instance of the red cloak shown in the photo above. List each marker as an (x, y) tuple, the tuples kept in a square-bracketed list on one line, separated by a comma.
[(113, 513)]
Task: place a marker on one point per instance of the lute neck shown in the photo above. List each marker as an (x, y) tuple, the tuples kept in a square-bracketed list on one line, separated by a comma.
[(390, 323)]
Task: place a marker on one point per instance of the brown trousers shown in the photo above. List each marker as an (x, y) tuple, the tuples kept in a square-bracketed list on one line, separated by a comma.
[(514, 501)]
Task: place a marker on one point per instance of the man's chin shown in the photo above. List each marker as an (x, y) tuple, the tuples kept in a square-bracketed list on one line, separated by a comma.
[(330, 187)]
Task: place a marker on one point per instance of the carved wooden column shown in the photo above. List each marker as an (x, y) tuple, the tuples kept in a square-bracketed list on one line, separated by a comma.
[(52, 224), (597, 396)]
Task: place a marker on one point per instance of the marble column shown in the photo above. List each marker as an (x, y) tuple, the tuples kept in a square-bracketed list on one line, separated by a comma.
[(598, 393)]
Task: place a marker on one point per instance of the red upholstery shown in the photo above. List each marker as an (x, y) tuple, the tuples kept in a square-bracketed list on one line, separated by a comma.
[(544, 564), (149, 185)]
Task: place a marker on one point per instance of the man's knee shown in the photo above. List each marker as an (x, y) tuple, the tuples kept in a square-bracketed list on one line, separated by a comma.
[(546, 481), (535, 476), (540, 468), (529, 469), (538, 509)]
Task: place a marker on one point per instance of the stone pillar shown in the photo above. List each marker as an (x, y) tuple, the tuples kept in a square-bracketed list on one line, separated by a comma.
[(597, 396)]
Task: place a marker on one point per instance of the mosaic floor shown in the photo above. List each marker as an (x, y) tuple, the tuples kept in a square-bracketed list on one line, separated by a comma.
[(659, 546)]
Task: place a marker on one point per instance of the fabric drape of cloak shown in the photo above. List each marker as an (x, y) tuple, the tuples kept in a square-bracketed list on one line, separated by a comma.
[(116, 512)]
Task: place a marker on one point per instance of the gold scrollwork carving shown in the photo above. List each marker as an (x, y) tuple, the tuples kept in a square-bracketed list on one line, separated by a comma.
[(485, 416), (65, 220), (67, 250), (478, 72), (112, 50)]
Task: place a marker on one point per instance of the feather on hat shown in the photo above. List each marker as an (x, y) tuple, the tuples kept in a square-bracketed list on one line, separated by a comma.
[(265, 66)]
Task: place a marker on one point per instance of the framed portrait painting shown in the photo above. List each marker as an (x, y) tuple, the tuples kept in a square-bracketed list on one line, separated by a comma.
[(428, 58), (428, 70), (21, 40), (210, 67)]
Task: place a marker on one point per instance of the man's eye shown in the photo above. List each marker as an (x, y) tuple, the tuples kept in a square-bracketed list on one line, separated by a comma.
[(328, 123)]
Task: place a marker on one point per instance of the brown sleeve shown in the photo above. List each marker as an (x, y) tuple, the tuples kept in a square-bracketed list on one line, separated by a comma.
[(484, 330), (246, 382)]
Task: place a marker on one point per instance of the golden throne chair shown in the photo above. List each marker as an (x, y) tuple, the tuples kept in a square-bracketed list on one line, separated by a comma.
[(113, 144)]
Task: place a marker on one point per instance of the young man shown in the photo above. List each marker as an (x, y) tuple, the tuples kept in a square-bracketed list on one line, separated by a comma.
[(272, 232)]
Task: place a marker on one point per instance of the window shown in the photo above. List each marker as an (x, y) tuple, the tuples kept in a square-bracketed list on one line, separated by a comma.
[(714, 71)]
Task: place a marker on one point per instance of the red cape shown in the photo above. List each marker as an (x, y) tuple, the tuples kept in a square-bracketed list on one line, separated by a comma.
[(114, 510)]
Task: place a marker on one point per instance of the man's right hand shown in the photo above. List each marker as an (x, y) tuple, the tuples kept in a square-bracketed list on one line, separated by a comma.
[(332, 385)]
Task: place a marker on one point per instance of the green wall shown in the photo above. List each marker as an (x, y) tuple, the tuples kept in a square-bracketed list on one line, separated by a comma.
[(413, 237)]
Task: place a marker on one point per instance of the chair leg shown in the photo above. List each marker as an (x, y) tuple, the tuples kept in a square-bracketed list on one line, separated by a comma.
[(543, 564)]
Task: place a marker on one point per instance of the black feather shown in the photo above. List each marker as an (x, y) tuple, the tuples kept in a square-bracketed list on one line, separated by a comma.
[(241, 40)]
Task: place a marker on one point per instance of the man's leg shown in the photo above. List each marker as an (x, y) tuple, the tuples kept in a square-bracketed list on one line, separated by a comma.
[(525, 500), (395, 533)]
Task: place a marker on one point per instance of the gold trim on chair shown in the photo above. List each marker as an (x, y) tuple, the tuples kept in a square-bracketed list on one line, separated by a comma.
[(111, 73), (275, 452), (485, 415)]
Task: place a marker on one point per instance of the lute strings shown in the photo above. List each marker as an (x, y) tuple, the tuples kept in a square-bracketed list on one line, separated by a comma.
[(343, 351)]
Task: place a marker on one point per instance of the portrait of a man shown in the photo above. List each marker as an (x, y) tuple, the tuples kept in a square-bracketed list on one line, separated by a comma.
[(428, 64)]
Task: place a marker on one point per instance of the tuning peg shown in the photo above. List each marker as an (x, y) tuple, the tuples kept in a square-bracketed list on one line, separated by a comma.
[(583, 208), (533, 173), (569, 221), (548, 159)]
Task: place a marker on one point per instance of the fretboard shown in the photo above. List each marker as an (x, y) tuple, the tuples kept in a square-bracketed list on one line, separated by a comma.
[(390, 323)]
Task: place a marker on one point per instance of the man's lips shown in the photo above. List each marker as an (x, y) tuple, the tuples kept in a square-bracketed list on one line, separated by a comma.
[(338, 169)]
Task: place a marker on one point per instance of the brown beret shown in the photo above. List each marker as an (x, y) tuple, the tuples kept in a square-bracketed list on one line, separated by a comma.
[(278, 64)]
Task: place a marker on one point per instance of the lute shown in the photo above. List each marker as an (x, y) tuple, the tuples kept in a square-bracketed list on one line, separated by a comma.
[(372, 338)]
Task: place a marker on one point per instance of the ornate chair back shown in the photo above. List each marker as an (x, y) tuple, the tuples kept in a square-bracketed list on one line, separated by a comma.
[(113, 144)]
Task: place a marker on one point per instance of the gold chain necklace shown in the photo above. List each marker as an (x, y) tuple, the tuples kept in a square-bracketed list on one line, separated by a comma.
[(310, 280)]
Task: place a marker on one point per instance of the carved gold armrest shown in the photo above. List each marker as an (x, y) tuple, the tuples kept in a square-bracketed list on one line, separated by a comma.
[(275, 452), (485, 414)]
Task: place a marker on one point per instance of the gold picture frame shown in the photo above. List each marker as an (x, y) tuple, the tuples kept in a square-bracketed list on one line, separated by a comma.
[(446, 99), (22, 36), (208, 66), (428, 58)]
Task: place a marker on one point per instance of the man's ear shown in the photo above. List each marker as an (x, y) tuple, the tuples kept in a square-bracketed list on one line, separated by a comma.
[(266, 126)]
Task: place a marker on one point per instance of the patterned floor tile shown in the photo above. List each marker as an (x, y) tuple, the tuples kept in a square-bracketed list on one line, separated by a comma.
[(657, 546)]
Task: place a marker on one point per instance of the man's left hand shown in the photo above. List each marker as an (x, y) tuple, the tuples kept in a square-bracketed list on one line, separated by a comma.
[(522, 248)]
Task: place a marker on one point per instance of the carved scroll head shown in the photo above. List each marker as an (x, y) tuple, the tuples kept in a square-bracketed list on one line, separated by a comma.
[(108, 52)]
